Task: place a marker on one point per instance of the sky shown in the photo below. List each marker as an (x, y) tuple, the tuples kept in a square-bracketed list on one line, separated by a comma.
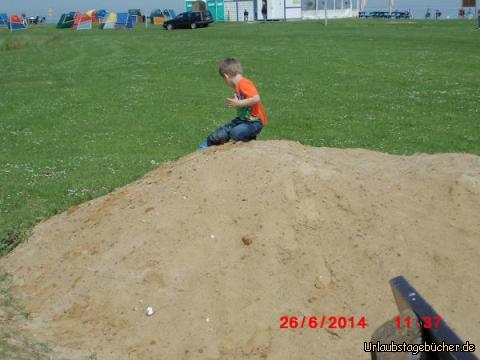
[(40, 7)]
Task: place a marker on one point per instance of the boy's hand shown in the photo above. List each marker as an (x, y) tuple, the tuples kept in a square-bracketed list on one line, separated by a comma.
[(232, 102)]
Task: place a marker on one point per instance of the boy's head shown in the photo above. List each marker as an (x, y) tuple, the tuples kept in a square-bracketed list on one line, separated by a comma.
[(229, 68)]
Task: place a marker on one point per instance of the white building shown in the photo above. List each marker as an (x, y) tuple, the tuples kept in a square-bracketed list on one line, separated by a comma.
[(291, 9)]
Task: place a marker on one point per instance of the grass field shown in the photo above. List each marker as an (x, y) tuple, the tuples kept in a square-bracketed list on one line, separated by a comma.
[(83, 113)]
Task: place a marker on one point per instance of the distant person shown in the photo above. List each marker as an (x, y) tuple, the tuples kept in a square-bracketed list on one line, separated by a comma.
[(438, 14), (245, 15), (469, 14), (478, 18), (428, 14), (251, 116), (461, 13), (264, 11)]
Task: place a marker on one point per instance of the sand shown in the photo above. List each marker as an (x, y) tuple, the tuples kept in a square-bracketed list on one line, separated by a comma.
[(223, 243)]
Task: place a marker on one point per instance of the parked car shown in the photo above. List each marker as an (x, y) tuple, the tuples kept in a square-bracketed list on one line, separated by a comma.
[(36, 19), (379, 15), (190, 20), (400, 15)]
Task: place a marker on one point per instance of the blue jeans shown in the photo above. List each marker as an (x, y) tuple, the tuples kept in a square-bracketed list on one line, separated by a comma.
[(237, 129)]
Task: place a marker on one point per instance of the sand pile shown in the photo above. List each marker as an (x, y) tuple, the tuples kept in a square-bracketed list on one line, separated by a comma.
[(222, 244)]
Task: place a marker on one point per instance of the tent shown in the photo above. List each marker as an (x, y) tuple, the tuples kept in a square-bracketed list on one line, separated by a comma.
[(96, 15), (3, 20), (16, 22), (82, 22), (124, 21), (117, 21), (109, 21), (157, 17), (166, 14), (156, 13), (93, 14), (158, 20), (66, 21), (136, 14), (101, 14)]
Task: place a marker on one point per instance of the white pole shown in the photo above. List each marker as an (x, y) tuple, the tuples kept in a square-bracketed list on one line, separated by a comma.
[(477, 15), (363, 5), (325, 8), (391, 5)]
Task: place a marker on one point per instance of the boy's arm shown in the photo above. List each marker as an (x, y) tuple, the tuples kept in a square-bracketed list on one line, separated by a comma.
[(233, 102)]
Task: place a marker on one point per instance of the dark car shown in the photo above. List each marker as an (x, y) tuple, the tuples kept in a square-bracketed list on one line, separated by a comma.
[(190, 20), (400, 15), (36, 20)]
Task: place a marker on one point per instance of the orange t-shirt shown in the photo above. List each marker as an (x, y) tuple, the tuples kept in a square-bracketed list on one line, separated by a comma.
[(245, 89)]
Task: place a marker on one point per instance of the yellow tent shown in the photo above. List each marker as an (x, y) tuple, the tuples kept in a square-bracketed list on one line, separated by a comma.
[(110, 21)]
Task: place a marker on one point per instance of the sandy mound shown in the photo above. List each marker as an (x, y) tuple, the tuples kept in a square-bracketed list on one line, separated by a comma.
[(222, 244)]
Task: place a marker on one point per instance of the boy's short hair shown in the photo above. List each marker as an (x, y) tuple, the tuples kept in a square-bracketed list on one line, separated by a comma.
[(230, 67)]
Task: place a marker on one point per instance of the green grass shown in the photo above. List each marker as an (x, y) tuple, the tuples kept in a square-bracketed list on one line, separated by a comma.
[(83, 113)]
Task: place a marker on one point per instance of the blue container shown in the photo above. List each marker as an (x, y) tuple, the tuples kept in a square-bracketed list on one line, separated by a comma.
[(216, 8)]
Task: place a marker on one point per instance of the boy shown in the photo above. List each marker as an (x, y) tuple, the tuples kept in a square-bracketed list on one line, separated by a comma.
[(251, 116)]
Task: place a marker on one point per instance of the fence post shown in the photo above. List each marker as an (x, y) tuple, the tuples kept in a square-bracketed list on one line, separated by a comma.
[(325, 9)]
